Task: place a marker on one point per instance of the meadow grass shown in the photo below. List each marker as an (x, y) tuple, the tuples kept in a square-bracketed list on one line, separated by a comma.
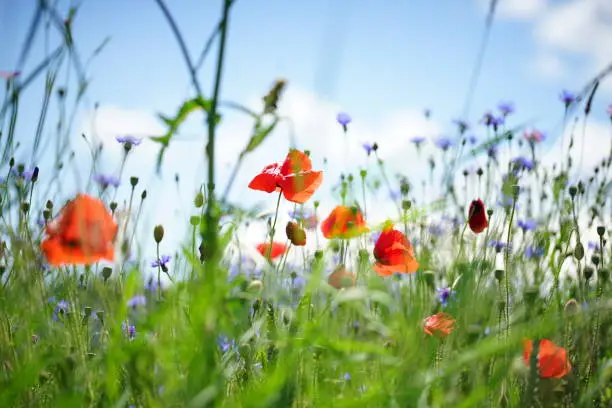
[(227, 332)]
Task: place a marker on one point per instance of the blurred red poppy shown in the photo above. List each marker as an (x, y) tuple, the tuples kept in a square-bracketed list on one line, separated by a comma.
[(394, 253), (477, 217), (552, 359), (341, 278), (295, 233), (84, 233), (274, 251), (440, 325), (294, 177), (344, 222)]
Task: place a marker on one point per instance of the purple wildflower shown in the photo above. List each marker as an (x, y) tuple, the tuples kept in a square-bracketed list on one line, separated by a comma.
[(417, 140), (593, 245), (498, 245), (368, 148), (527, 225), (488, 118), (523, 163), (161, 262), (532, 252), (23, 174), (346, 376), (492, 152), (394, 195), (567, 97), (444, 143), (131, 140), (138, 300), (462, 125), (61, 308), (343, 119), (472, 139), (497, 121), (506, 108), (106, 181), (129, 330), (444, 294), (225, 344)]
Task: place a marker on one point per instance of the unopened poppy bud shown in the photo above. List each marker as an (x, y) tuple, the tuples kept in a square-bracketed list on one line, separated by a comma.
[(588, 272), (49, 204), (46, 214), (603, 274), (194, 220), (35, 175), (164, 268), (499, 274), (199, 200), (479, 172), (143, 195), (581, 187), (158, 233), (133, 181), (579, 251), (406, 204), (430, 278), (106, 273), (316, 204), (375, 146), (595, 259), (572, 307), (25, 207), (490, 212), (601, 230), (12, 162), (318, 254), (515, 191), (295, 234), (350, 177), (573, 190), (255, 286), (307, 153), (335, 247), (465, 173), (363, 173), (20, 168), (113, 206)]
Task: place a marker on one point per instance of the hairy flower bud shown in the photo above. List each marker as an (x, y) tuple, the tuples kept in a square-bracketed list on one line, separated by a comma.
[(158, 233)]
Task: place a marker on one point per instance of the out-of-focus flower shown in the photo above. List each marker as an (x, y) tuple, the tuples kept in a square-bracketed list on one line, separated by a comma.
[(444, 143), (444, 294), (506, 108), (472, 139), (609, 111), (295, 234), (129, 330), (8, 75), (138, 300), (271, 251), (343, 119), (462, 125), (440, 325), (523, 163), (83, 233), (498, 245), (105, 180), (61, 308), (417, 140), (534, 136), (368, 148), (532, 252), (552, 359), (593, 245), (341, 278), (567, 97), (161, 262), (527, 225), (344, 222), (22, 174), (133, 141), (427, 113)]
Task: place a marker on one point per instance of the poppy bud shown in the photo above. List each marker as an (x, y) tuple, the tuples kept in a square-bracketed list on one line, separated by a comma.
[(465, 173), (35, 175), (133, 181), (363, 173), (572, 307), (595, 259), (479, 172), (49, 204), (316, 204), (375, 146), (603, 274), (573, 190), (46, 214), (295, 234), (199, 200), (477, 218), (588, 272), (12, 162), (579, 251), (106, 273), (341, 278), (158, 233), (143, 195), (194, 220), (601, 230), (499, 274), (489, 212), (113, 206), (25, 207), (406, 204), (318, 254)]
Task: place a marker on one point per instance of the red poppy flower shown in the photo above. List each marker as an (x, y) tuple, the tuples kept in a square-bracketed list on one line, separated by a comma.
[(341, 278), (439, 325), (295, 233), (477, 217), (294, 177), (344, 222), (552, 359), (83, 233), (276, 250), (394, 253)]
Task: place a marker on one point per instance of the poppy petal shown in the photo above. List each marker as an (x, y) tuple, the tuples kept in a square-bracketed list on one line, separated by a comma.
[(295, 162), (298, 188), (267, 180)]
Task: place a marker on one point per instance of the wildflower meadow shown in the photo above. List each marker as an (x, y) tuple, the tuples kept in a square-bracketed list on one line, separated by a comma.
[(481, 280)]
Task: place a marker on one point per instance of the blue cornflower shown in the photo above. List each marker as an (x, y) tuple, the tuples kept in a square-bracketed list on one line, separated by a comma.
[(346, 377), (506, 108), (417, 140), (444, 143), (161, 262), (498, 245), (488, 118), (444, 294), (593, 245), (497, 121), (492, 152), (23, 174), (61, 308), (532, 252), (134, 141), (472, 139), (138, 300), (129, 330), (527, 225), (394, 195), (436, 229), (567, 97), (523, 163), (462, 125), (106, 181), (506, 201), (368, 148), (343, 119), (225, 344)]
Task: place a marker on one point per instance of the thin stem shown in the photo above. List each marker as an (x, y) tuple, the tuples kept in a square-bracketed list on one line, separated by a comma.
[(506, 265)]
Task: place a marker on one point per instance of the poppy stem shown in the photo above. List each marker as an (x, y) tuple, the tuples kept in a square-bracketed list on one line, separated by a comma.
[(273, 228), (158, 274)]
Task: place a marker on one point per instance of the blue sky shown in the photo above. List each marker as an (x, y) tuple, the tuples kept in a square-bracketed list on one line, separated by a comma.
[(382, 62)]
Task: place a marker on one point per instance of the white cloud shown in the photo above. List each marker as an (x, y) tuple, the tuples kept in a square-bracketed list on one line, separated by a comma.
[(521, 9), (549, 65)]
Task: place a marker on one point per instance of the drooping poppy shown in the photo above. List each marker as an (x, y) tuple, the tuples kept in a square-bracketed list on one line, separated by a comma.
[(341, 278), (344, 222), (477, 217), (84, 233), (294, 177), (440, 325), (295, 233), (394, 253), (552, 359), (276, 250)]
